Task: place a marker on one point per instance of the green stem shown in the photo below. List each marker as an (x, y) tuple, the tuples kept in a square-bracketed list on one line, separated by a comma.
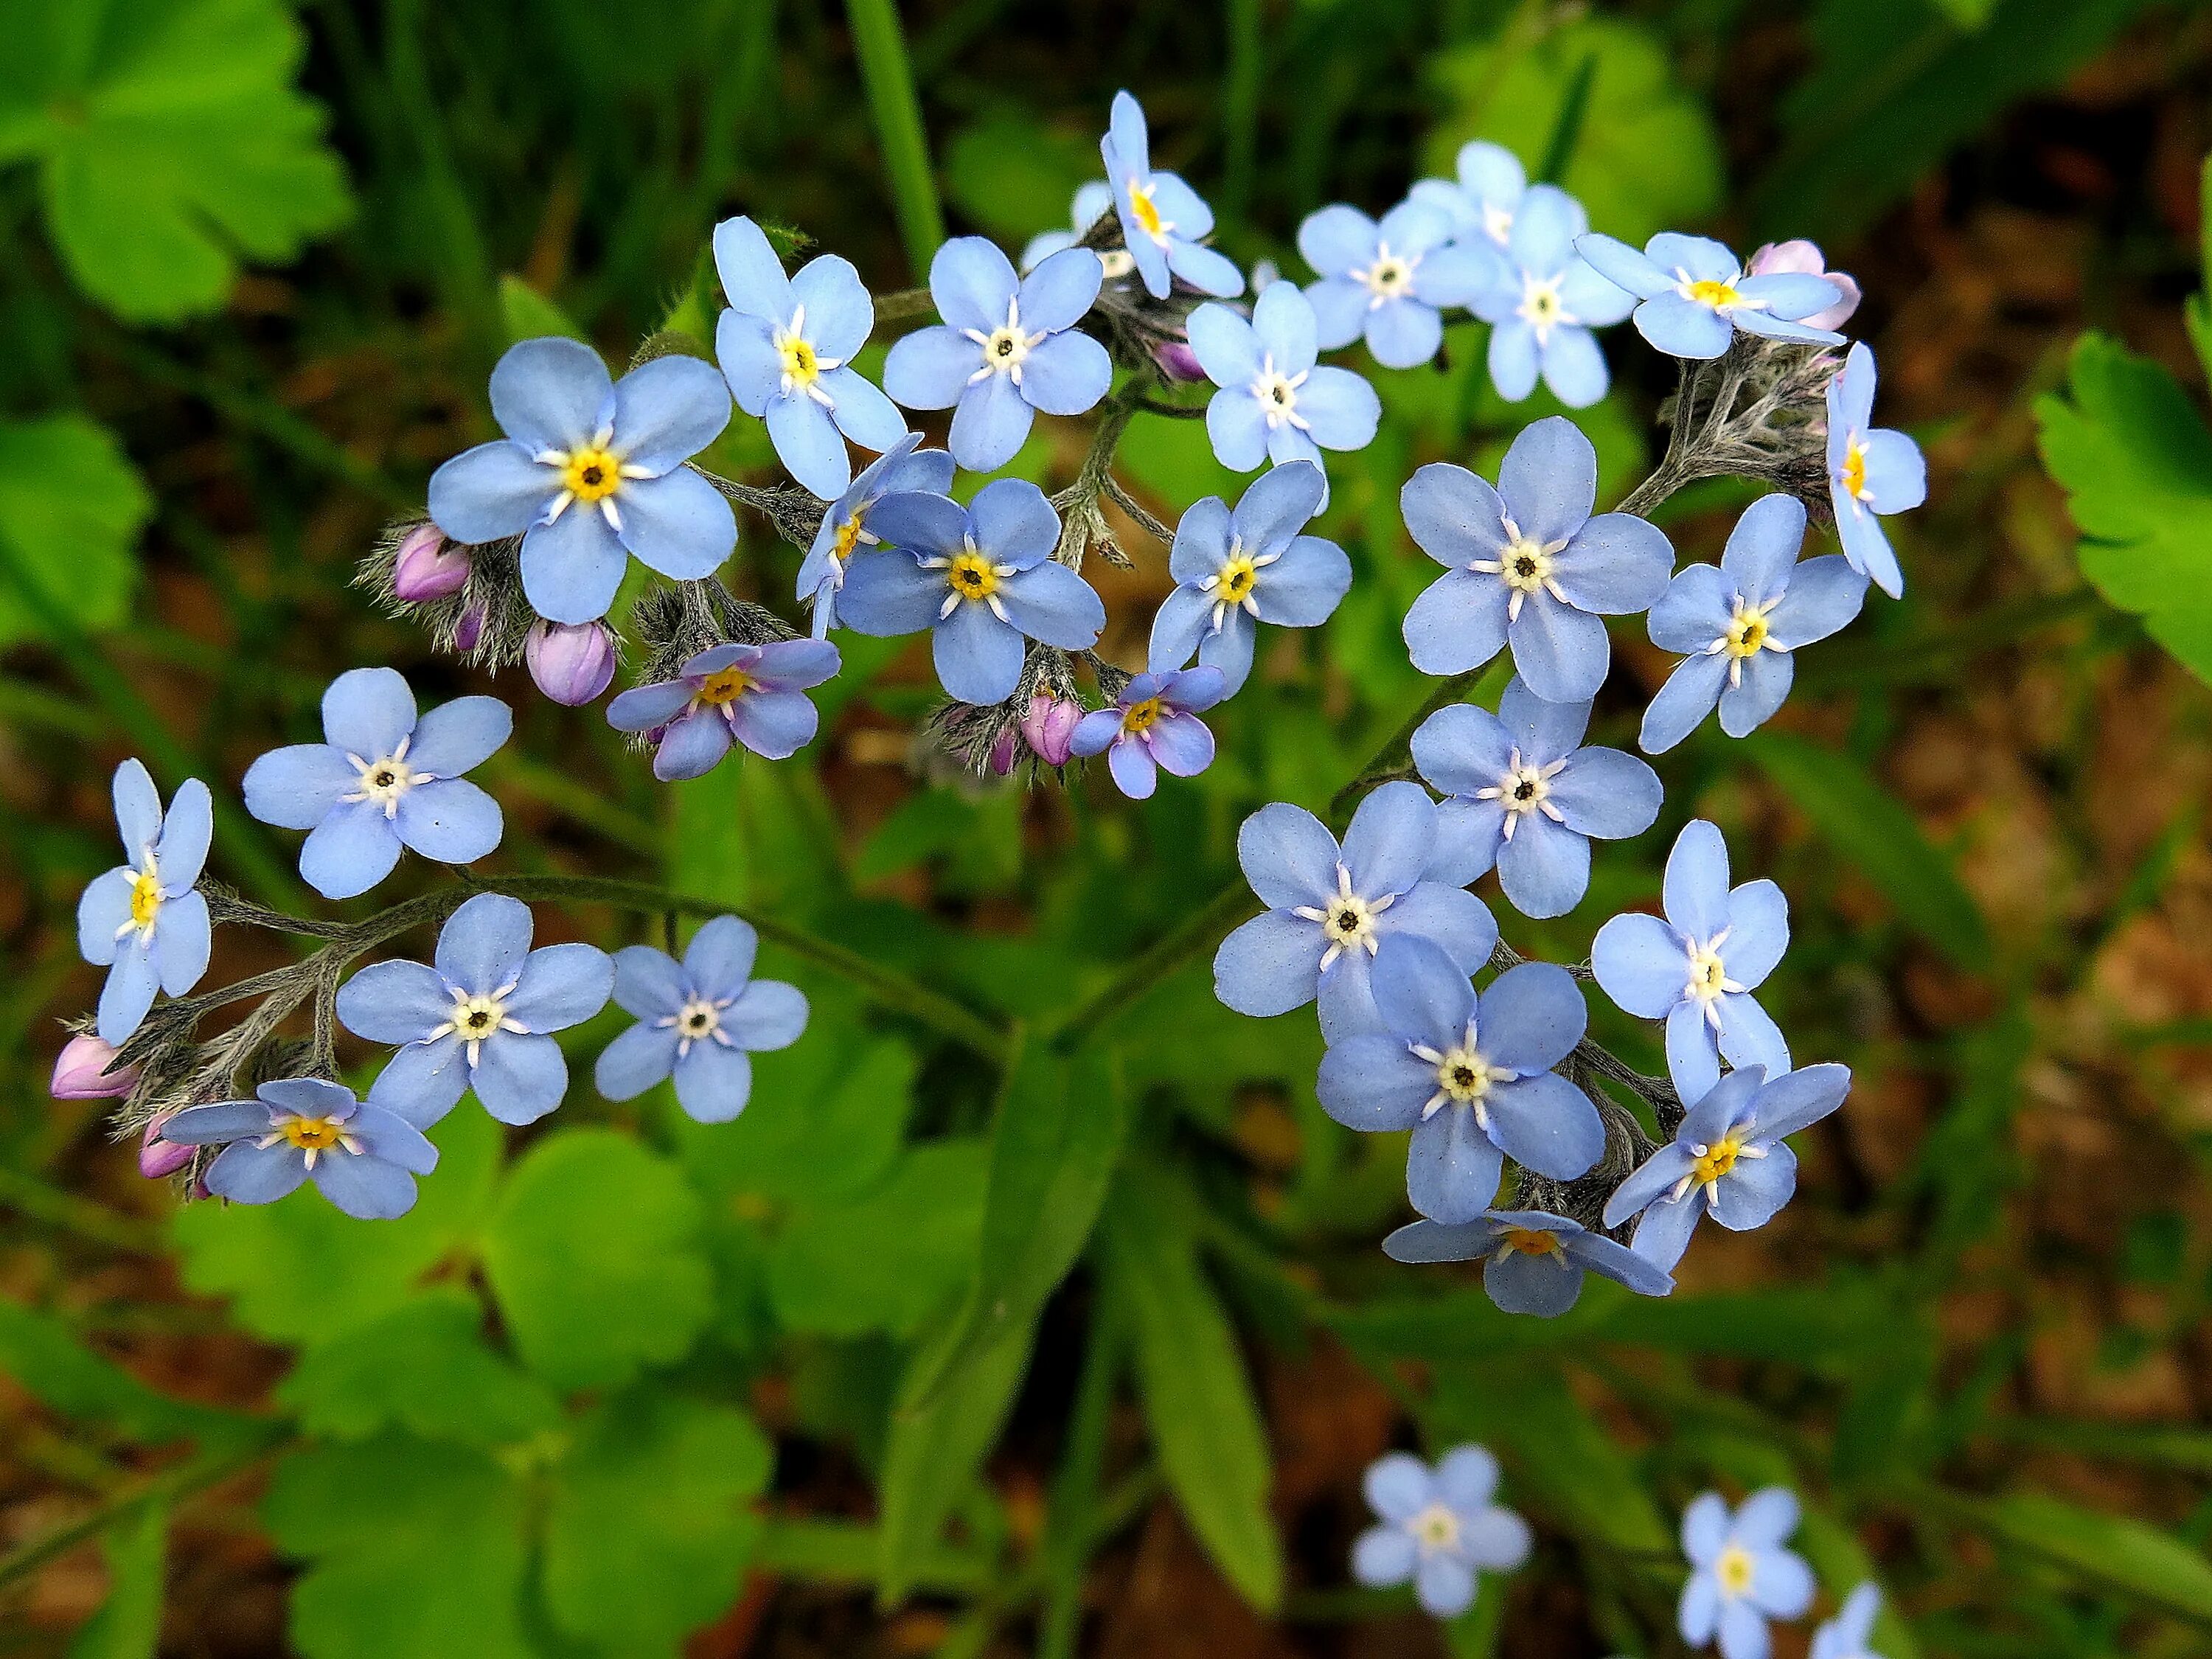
[(880, 44), (1240, 104)]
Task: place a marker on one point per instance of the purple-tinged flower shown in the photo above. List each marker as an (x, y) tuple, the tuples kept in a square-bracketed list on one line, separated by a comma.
[(1873, 472), (753, 694), (1093, 202), (1330, 907), (481, 1017), (1471, 1076), (1741, 1575), (470, 627), (1527, 565), (1048, 727), (1542, 303), (1389, 282), (592, 471), (1275, 403), (364, 1156), (1177, 360), (1485, 198), (1154, 727), (386, 779), (1237, 570), (844, 535), (1697, 969), (158, 1158), (981, 577), (86, 1070), (699, 1020), (1739, 623), (142, 921), (1438, 1527), (1007, 348), (786, 344), (1694, 294), (428, 566), (1163, 222), (1805, 257), (1522, 794), (1533, 1261), (571, 663), (1850, 1634), (1729, 1157)]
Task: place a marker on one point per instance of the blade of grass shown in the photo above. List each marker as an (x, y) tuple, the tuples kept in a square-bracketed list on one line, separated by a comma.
[(888, 75)]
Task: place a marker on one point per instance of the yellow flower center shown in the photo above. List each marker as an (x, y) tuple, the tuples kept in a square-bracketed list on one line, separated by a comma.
[(1239, 576), (1147, 216), (1464, 1076), (1708, 974), (1530, 1241), (847, 538), (1855, 460), (724, 686), (1526, 565), (971, 576), (312, 1134), (1746, 633), (1716, 1160), (146, 897), (1733, 1569), (801, 367), (593, 473), (1435, 1527), (1141, 716), (1718, 295)]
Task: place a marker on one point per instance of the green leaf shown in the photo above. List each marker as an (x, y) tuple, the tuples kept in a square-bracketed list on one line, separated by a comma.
[(1198, 1399), (2136, 460), (1015, 176), (1872, 829), (647, 1534), (128, 1624), (529, 315), (890, 1258), (840, 1088), (46, 1358), (594, 1255), (2110, 1550), (71, 507), (170, 144)]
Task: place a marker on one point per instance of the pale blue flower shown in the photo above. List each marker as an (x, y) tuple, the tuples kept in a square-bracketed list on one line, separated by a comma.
[(1533, 1261), (1093, 202), (1741, 1575), (1543, 302), (1850, 1634), (363, 1156), (699, 1021), (725, 695), (1154, 727), (1163, 222), (1438, 1527), (1274, 404), (1482, 200), (844, 533), (1872, 471), (142, 921), (1694, 294), (1389, 282)]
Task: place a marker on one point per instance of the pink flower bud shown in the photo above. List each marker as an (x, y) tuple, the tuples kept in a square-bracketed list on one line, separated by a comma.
[(469, 629), (1048, 727), (1805, 257), (1002, 753), (429, 567), (572, 663), (1178, 361), (81, 1071), (158, 1158)]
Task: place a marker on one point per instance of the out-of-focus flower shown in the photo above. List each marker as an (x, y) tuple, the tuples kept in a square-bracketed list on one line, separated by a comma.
[(142, 921), (1542, 302), (364, 1157), (1389, 282), (1275, 403), (1741, 1575), (1872, 471), (728, 694), (699, 1020), (81, 1071), (1164, 220), (428, 566), (1695, 294), (1848, 1635), (1438, 1527), (1154, 727), (1485, 198), (1178, 361), (1533, 1261), (1093, 202), (572, 663)]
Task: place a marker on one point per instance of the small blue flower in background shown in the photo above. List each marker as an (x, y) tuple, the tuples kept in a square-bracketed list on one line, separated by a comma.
[(1092, 203), (142, 921), (1331, 908), (786, 344), (1849, 1634), (1694, 294), (386, 779), (1154, 727), (364, 1157), (1697, 969), (1438, 1527), (753, 694), (1389, 282), (1739, 623), (1727, 1155), (982, 577), (1872, 471), (1237, 570), (1484, 199), (1471, 1076), (1163, 219), (592, 471), (1542, 303), (905, 466), (1533, 1261), (699, 1020), (1008, 347), (1524, 795), (1527, 565), (1273, 403), (1741, 1575), (478, 1018)]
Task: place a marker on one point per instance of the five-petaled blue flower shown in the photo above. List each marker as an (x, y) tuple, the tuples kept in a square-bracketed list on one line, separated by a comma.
[(1163, 219), (1389, 282), (701, 1020), (1237, 570), (1872, 471), (386, 779), (1527, 564), (754, 695), (1741, 1575), (982, 577), (1694, 294), (1850, 1632), (591, 471), (1331, 908), (1008, 347), (1533, 1261), (362, 1156), (1471, 1076), (1543, 302), (1438, 1527), (1154, 727), (1523, 794), (1696, 969), (142, 921), (1093, 202), (1727, 1155), (480, 1018), (903, 467), (1483, 201), (786, 344), (1273, 403), (1740, 621)]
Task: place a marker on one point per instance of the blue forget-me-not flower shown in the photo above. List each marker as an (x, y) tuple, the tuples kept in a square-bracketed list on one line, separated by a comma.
[(1542, 302), (699, 1020), (1275, 403), (1484, 199), (1694, 294), (478, 1017), (1533, 1261), (362, 1155), (1163, 222), (1740, 1576), (1850, 1634), (905, 466), (1527, 565), (592, 471), (1872, 471), (1093, 202), (1154, 727), (142, 921), (1389, 282), (1438, 1528), (727, 695)]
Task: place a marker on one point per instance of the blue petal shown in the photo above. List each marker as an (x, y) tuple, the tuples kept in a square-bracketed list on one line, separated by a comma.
[(1548, 479), (863, 413), (1443, 1585), (1402, 333), (1067, 373), (349, 851), (1530, 1018), (1270, 512), (713, 1083), (1790, 295), (1765, 1520), (1545, 868), (1574, 368), (753, 277), (128, 992), (1270, 965), (692, 746), (1208, 271), (839, 312), (561, 986), (990, 424), (640, 1057), (1545, 1285), (1699, 257), (1689, 695), (1452, 1168), (366, 711), (550, 393), (1431, 1241), (651, 983), (459, 736), (450, 820), (1749, 1036), (889, 594), (644, 707), (1060, 291), (1751, 1193), (775, 724), (1468, 835), (1693, 1059), (1423, 996), (1696, 884), (744, 346), (482, 945), (1372, 1083), (1182, 742), (1562, 652), (423, 1081), (1896, 472), (1283, 327), (1826, 595), (768, 1014), (213, 1126), (1387, 846), (572, 567), (1228, 647), (181, 942), (1623, 265), (1545, 227), (1761, 685), (1513, 360), (1226, 347), (1236, 429), (1341, 408), (1183, 617), (1641, 964), (1682, 328), (1339, 310), (1458, 623), (972, 284), (1763, 546), (1695, 611), (929, 368), (1453, 275), (1449, 916), (1466, 1479), (294, 788), (365, 1188), (678, 524), (1605, 794), (1288, 856), (1455, 518), (807, 443), (1868, 548), (1546, 1124), (137, 810), (667, 410), (1306, 584), (248, 1174), (1337, 239), (1201, 539), (1051, 603), (102, 915), (394, 1001), (978, 657), (519, 1079), (1382, 1556)]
